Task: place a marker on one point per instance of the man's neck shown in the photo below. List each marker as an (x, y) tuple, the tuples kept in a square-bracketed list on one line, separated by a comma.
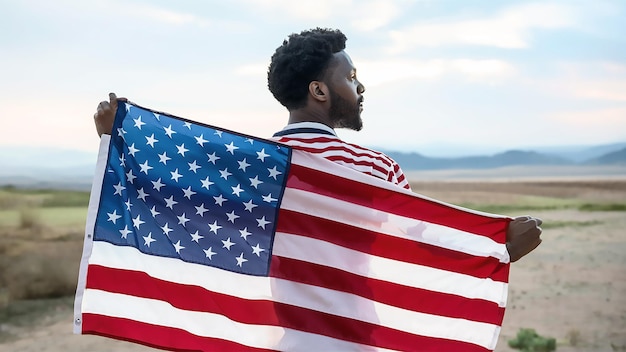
[(308, 115), (305, 127)]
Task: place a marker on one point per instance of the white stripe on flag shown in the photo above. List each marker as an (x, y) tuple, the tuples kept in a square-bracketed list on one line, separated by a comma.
[(212, 325)]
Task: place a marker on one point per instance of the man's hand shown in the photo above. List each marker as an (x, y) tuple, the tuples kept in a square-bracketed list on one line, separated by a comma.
[(105, 114), (522, 236)]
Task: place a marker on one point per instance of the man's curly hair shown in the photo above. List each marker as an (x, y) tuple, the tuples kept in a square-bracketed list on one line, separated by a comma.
[(301, 59)]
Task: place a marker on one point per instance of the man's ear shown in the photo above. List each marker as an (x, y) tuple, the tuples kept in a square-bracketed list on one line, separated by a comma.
[(318, 90)]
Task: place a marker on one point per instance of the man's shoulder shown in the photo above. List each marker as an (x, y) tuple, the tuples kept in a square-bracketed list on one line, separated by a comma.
[(372, 151)]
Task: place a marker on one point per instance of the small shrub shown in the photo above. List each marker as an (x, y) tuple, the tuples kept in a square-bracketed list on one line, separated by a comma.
[(528, 340), (557, 224), (616, 347), (4, 298), (574, 337), (65, 199), (603, 207), (45, 270), (30, 219)]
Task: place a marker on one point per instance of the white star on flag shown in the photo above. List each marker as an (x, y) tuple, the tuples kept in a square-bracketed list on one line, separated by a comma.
[(132, 150), (262, 155), (148, 239), (157, 184), (138, 122), (125, 231), (231, 148), (151, 140), (113, 216), (227, 243), (241, 260), (200, 210), (169, 131), (200, 140), (214, 227)]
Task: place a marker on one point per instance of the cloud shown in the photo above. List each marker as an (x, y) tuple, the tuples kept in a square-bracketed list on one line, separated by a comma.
[(258, 70), (304, 10), (610, 85), (591, 118), (371, 15), (600, 90), (588, 80), (374, 73), (592, 126), (490, 68), (364, 15), (111, 10), (163, 15), (510, 28)]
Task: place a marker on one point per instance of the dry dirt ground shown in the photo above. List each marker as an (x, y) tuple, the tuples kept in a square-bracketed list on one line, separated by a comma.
[(572, 288)]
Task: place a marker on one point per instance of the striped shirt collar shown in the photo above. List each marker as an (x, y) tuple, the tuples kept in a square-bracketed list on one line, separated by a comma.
[(305, 127)]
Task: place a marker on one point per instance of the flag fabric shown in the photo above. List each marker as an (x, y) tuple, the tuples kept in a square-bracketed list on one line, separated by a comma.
[(203, 239)]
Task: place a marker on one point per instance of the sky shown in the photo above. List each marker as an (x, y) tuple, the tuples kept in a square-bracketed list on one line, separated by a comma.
[(440, 75)]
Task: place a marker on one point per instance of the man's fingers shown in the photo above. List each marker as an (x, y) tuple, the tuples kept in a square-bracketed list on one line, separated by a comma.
[(530, 218), (527, 218), (105, 114), (113, 99), (525, 223), (523, 236)]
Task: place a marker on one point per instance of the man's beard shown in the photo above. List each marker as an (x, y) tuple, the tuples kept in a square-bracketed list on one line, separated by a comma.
[(343, 114)]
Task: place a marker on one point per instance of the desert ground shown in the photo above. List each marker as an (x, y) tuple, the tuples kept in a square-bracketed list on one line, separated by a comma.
[(572, 287)]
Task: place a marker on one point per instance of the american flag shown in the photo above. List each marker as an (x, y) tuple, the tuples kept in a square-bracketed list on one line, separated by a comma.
[(203, 239)]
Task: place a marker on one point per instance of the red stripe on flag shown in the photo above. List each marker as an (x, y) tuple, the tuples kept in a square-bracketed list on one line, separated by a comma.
[(398, 203), (162, 337), (414, 299), (391, 247)]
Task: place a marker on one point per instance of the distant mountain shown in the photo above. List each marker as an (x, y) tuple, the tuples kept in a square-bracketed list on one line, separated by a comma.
[(580, 154), (47, 168), (577, 155), (29, 157), (617, 157), (415, 161), (74, 178)]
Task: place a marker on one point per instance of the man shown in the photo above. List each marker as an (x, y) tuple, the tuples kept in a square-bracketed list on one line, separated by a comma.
[(314, 78)]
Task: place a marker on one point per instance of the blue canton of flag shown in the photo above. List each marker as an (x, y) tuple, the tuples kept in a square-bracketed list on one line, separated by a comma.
[(189, 191)]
